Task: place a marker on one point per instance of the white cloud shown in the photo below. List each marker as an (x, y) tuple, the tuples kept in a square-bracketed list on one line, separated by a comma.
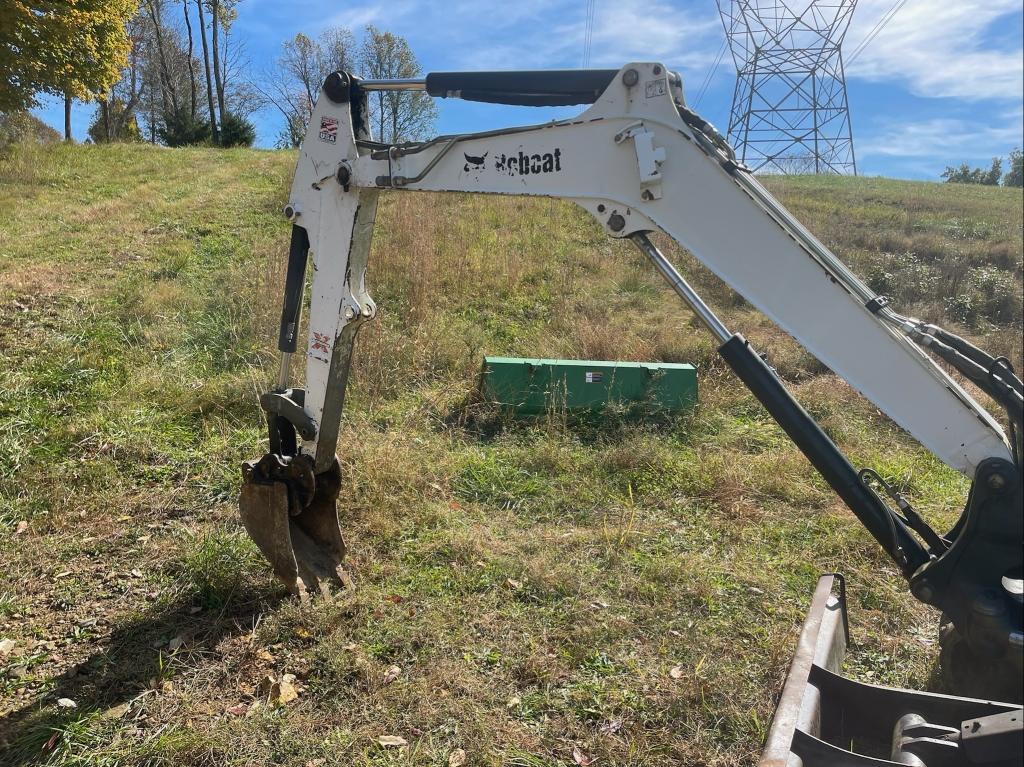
[(940, 49), (496, 34), (356, 17), (955, 140)]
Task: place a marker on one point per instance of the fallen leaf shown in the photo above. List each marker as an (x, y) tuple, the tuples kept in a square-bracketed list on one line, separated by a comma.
[(513, 584), (264, 655), (396, 598), (316, 762), (457, 758), (275, 690), (6, 646), (21, 527), (302, 633), (66, 703), (611, 727), (238, 709), (137, 572), (117, 711), (677, 672), (580, 758), (176, 643), (392, 741), (514, 701), (64, 574), (286, 691), (597, 604), (391, 674), (195, 610)]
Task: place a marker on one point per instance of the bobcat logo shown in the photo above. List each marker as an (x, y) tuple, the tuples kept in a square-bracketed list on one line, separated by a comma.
[(474, 163)]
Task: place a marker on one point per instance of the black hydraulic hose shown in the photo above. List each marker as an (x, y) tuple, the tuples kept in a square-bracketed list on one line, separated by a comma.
[(979, 356), (888, 529), (994, 386), (294, 286)]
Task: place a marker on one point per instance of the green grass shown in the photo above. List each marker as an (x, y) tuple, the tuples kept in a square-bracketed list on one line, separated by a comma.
[(534, 582)]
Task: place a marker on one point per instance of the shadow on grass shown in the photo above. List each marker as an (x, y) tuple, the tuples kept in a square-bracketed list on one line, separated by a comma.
[(118, 672), (486, 422)]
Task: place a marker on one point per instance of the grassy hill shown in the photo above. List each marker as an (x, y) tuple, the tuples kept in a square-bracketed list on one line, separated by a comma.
[(524, 589)]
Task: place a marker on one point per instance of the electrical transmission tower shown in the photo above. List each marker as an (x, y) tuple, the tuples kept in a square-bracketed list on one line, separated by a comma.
[(789, 108)]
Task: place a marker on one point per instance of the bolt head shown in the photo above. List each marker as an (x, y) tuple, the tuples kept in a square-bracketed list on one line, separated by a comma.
[(996, 481), (616, 222), (630, 78), (344, 175), (291, 212)]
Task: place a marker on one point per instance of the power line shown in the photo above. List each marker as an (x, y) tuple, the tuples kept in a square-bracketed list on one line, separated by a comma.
[(879, 26), (588, 33), (711, 74)]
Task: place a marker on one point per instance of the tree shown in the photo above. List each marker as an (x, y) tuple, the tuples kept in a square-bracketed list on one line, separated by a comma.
[(236, 130), (395, 115), (1015, 175), (995, 172), (116, 117), (206, 64), (181, 128), (19, 126), (191, 48), (168, 84), (74, 48), (114, 121), (222, 13), (966, 175), (292, 85)]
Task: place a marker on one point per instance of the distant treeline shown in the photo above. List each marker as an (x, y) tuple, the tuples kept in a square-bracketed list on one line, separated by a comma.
[(175, 72), (965, 174)]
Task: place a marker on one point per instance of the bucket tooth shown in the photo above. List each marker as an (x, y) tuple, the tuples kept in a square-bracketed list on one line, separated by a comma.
[(295, 529)]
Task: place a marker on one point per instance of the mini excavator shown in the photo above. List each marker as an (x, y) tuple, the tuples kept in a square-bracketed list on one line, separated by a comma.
[(639, 161)]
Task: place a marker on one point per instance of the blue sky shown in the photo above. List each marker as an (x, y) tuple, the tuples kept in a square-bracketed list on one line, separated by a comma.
[(942, 83)]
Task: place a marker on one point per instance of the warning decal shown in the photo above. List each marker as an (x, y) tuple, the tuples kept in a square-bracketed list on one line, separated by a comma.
[(595, 376)]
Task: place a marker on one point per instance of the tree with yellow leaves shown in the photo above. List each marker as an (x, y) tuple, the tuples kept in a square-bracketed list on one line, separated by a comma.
[(76, 48)]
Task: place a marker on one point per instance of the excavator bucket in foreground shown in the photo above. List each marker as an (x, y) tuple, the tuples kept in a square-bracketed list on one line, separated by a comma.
[(824, 719), (293, 519)]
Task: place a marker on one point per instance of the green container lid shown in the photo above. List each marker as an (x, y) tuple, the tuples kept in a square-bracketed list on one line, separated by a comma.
[(532, 386)]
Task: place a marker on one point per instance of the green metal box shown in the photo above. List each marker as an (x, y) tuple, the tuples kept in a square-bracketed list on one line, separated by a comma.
[(532, 386)]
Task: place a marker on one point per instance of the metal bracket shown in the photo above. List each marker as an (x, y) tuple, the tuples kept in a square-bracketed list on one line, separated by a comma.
[(287, 404), (649, 158)]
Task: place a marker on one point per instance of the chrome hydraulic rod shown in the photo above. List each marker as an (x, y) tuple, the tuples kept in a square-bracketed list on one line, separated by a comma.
[(408, 84), (681, 287), (808, 436)]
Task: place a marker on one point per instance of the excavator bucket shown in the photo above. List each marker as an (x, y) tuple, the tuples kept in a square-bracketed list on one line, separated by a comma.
[(291, 514), (824, 719)]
